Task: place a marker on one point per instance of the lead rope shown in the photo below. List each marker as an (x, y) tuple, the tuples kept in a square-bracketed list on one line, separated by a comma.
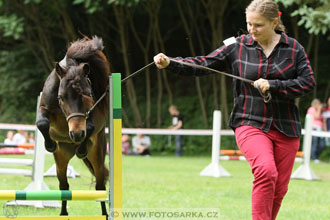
[(122, 81), (266, 97)]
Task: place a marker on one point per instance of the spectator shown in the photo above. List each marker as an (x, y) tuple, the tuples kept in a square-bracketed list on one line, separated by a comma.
[(317, 142), (125, 144), (10, 138), (177, 123), (141, 145), (30, 138), (19, 137), (326, 120)]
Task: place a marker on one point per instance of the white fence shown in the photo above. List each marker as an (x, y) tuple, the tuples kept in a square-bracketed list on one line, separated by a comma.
[(152, 131), (214, 169)]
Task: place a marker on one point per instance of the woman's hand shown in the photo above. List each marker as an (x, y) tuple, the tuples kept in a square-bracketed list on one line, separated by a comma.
[(161, 60), (263, 85)]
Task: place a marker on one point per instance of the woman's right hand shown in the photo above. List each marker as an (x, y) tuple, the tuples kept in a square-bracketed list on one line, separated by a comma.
[(161, 61)]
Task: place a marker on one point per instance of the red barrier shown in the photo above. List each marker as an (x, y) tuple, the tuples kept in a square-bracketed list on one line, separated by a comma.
[(11, 150), (25, 146), (239, 153)]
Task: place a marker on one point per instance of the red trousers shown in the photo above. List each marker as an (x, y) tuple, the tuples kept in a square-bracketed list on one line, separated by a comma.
[(271, 157)]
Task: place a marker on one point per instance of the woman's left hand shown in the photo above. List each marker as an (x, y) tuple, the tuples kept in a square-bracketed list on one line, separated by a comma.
[(263, 85)]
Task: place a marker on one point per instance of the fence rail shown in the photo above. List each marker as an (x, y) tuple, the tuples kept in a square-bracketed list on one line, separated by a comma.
[(152, 131)]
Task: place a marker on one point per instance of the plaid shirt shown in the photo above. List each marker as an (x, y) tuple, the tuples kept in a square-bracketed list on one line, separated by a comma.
[(287, 70)]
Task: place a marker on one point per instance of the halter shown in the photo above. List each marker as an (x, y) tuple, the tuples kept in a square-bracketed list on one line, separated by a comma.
[(72, 115), (88, 112)]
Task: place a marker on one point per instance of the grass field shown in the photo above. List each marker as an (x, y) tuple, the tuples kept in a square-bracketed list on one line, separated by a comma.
[(163, 183)]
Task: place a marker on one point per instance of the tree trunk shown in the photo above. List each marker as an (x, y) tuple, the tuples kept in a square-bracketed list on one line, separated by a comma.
[(145, 49), (121, 22), (316, 59), (215, 13), (68, 30), (188, 29)]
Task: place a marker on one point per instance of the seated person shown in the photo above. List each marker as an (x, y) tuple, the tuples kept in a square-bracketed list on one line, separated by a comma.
[(19, 137), (141, 144), (125, 144), (10, 138)]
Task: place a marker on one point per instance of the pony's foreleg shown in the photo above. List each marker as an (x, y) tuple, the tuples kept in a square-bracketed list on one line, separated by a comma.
[(62, 159), (82, 150), (101, 173), (43, 126)]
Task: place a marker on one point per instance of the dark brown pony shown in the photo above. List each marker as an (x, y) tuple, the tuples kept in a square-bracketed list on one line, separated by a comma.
[(64, 120)]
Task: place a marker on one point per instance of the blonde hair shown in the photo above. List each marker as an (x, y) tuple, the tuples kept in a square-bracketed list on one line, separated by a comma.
[(173, 107), (268, 9), (315, 102)]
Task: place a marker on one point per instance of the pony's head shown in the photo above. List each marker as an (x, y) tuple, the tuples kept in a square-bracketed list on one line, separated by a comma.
[(75, 98)]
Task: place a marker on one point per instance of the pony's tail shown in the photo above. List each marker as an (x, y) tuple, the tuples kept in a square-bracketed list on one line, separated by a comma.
[(89, 165), (84, 48)]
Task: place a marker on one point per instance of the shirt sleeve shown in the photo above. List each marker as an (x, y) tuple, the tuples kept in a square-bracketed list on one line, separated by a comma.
[(311, 111), (299, 86), (146, 141), (135, 141), (218, 59)]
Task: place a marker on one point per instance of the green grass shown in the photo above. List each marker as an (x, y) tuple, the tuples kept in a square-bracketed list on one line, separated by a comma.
[(170, 183)]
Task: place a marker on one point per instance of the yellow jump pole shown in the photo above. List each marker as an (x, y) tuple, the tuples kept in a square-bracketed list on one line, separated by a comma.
[(115, 154), (56, 218), (99, 195)]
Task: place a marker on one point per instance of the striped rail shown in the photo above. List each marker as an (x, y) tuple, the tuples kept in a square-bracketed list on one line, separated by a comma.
[(53, 195), (55, 218)]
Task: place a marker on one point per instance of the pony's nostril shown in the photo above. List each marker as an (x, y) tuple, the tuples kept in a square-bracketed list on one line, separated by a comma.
[(82, 134), (71, 133), (77, 136)]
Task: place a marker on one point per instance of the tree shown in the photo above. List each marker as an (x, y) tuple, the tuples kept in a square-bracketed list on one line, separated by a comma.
[(314, 15)]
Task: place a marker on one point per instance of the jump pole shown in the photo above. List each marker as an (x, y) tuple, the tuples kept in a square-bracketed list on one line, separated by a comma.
[(304, 171), (115, 146), (37, 173), (65, 195), (214, 169), (55, 218)]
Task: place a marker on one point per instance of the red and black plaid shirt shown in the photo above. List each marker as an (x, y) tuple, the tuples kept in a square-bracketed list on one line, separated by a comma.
[(287, 70)]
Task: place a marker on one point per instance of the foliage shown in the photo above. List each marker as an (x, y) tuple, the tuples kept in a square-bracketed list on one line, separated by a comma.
[(128, 3), (90, 5), (11, 26), (20, 83), (93, 6), (314, 14)]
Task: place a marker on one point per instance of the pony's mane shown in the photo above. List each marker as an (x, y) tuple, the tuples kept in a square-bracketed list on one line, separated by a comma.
[(90, 51), (73, 78)]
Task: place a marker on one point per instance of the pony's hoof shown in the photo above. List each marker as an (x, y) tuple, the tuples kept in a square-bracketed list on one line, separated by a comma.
[(51, 147), (81, 152)]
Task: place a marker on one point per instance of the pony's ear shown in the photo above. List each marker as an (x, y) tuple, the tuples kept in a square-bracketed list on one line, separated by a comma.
[(86, 69), (59, 70)]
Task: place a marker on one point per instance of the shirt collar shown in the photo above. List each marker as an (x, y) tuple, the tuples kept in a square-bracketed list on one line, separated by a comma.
[(284, 39)]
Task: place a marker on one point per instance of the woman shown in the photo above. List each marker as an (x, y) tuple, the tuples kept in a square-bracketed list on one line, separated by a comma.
[(267, 133), (315, 110)]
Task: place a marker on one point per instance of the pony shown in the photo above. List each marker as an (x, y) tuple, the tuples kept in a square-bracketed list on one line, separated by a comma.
[(73, 110)]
